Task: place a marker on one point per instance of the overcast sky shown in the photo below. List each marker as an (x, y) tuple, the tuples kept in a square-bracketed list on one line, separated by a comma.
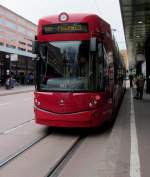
[(32, 10)]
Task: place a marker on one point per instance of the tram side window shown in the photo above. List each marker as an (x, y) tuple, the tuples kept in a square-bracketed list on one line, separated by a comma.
[(99, 68), (106, 75), (120, 74)]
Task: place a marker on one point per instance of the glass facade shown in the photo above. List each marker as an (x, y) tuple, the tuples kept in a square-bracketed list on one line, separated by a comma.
[(15, 28), (1, 21), (10, 25), (16, 34), (30, 33), (21, 29)]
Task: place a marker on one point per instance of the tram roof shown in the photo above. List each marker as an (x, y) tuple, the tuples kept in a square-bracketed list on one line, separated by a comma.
[(73, 17)]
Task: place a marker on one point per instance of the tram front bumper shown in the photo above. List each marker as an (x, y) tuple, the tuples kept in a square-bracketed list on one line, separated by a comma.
[(92, 118)]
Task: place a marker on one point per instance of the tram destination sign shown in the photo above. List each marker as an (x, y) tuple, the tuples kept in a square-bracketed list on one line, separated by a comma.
[(65, 28)]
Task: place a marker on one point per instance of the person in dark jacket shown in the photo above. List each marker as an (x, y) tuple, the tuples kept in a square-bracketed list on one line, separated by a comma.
[(131, 80), (140, 86)]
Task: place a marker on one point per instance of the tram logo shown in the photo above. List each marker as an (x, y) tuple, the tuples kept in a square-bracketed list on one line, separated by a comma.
[(61, 102)]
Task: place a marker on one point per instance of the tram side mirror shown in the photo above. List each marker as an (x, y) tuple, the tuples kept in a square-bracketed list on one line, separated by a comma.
[(43, 51), (35, 47), (93, 44)]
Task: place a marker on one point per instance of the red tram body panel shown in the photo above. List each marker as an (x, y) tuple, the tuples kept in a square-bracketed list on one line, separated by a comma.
[(79, 76), (74, 112)]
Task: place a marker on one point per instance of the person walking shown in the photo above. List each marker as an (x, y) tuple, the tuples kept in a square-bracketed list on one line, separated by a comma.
[(131, 80), (140, 86), (8, 82)]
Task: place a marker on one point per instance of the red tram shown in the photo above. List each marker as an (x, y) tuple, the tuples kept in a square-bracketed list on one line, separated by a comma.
[(79, 73)]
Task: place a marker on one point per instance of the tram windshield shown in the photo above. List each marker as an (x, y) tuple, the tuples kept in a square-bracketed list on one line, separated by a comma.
[(68, 66)]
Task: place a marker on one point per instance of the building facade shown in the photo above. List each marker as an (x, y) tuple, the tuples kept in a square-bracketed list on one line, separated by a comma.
[(16, 36), (124, 54)]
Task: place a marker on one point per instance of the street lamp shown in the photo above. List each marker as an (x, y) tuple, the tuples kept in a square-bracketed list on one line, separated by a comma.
[(7, 65)]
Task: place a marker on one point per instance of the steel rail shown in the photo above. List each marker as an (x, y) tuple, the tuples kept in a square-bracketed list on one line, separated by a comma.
[(20, 151), (60, 164)]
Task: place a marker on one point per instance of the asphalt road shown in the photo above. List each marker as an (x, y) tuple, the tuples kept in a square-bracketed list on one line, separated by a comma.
[(15, 110), (120, 151), (17, 127), (106, 154)]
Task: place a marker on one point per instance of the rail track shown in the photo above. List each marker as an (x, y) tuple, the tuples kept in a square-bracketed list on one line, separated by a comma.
[(20, 151), (60, 164)]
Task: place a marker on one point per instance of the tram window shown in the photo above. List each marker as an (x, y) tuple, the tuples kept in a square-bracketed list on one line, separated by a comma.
[(83, 59), (99, 68), (100, 50), (106, 75)]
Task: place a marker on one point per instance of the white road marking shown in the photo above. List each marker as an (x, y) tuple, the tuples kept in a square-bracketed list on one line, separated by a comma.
[(134, 154), (3, 104), (14, 128), (127, 84), (8, 131)]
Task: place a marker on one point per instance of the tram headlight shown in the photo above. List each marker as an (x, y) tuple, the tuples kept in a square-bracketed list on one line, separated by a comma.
[(97, 97), (37, 102), (92, 103), (95, 101)]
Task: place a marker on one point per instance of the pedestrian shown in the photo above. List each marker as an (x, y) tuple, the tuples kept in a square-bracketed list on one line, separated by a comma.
[(131, 80), (30, 78), (140, 86), (8, 82)]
